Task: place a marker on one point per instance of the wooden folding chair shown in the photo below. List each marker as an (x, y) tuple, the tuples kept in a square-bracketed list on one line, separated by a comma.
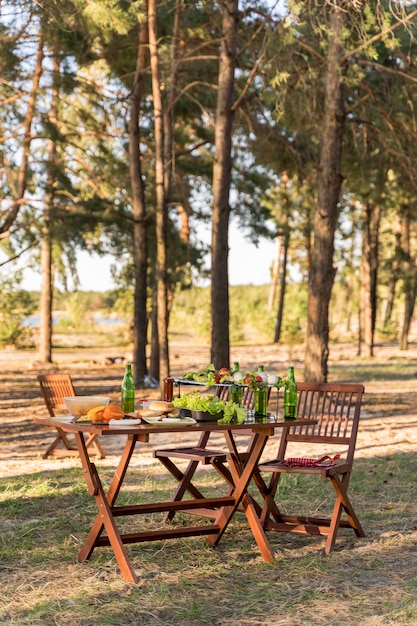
[(337, 408), (199, 454), (54, 388)]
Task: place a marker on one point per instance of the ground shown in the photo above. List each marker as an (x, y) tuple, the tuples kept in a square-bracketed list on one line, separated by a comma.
[(389, 415)]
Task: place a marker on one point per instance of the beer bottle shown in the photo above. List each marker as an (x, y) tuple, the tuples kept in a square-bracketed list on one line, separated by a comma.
[(128, 390), (290, 396)]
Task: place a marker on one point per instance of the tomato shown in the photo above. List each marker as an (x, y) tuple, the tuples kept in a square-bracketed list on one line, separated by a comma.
[(223, 371), (259, 379), (247, 380)]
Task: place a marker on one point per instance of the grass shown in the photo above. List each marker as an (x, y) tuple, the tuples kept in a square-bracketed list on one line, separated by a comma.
[(45, 517)]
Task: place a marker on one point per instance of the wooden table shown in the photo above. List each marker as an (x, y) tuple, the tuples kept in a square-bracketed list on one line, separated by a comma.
[(225, 506)]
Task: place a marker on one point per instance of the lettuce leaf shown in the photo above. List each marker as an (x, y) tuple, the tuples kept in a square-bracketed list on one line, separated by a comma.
[(195, 401)]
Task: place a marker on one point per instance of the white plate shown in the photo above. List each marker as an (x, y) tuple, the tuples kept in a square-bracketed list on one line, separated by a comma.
[(171, 421), (125, 422)]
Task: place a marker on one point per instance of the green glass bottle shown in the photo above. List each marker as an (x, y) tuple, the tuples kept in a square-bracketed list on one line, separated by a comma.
[(236, 391), (128, 390), (290, 396), (260, 402)]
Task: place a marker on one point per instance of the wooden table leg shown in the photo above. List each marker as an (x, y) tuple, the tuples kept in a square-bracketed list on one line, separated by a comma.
[(242, 475), (105, 519)]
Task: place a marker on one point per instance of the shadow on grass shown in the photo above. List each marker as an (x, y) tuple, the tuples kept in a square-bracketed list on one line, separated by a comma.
[(46, 516)]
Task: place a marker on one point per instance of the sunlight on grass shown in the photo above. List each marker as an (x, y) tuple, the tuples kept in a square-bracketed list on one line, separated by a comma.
[(45, 519)]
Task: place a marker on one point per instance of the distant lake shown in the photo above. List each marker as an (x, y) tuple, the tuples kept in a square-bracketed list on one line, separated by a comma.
[(33, 321)]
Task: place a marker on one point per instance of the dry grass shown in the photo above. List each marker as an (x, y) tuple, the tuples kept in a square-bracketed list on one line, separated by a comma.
[(45, 514)]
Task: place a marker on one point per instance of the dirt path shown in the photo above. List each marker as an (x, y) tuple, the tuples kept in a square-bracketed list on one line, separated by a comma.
[(389, 417)]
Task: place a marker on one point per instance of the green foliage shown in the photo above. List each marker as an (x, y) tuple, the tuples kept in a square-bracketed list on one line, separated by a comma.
[(78, 311), (15, 306), (190, 314), (249, 318)]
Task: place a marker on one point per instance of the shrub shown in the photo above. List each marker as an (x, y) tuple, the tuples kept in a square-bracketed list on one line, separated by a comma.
[(15, 306)]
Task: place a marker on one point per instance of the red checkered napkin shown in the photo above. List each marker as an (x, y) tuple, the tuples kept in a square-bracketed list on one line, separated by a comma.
[(324, 461)]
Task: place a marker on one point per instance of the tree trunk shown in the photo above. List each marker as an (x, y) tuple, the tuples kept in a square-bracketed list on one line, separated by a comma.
[(280, 311), (410, 285), (395, 267), (220, 339), (275, 275), (368, 279), (45, 300), (46, 295), (161, 206), (365, 331), (140, 226), (322, 272), (154, 361), (169, 104)]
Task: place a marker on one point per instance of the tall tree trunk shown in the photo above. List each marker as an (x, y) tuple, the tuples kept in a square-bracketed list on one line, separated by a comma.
[(169, 104), (365, 331), (322, 271), (154, 361), (410, 284), (275, 275), (368, 278), (277, 260), (395, 268), (161, 205), (46, 295), (140, 225), (45, 302), (222, 167), (281, 300)]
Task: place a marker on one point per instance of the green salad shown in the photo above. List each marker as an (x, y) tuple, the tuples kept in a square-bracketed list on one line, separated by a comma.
[(195, 401), (230, 411)]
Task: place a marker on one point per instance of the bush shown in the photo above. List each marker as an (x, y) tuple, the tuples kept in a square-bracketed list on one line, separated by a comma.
[(15, 306)]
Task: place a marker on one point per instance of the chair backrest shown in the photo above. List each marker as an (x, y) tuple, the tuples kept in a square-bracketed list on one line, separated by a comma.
[(54, 388), (337, 408)]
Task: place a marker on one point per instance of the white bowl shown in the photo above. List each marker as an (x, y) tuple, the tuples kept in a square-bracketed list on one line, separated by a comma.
[(79, 405)]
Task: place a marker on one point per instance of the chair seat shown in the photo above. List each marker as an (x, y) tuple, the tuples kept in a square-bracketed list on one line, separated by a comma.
[(196, 453), (283, 468)]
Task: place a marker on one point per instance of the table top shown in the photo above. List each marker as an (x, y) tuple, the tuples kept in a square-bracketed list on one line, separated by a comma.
[(67, 425)]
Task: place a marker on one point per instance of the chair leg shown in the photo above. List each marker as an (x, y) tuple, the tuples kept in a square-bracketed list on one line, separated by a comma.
[(70, 450), (184, 483), (270, 507), (92, 442), (61, 437), (184, 478), (342, 503)]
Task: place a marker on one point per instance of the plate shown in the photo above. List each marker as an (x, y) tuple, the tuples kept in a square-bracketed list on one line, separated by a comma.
[(171, 421), (77, 420), (125, 422)]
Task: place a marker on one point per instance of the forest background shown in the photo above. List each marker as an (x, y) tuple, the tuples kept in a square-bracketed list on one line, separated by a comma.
[(126, 124)]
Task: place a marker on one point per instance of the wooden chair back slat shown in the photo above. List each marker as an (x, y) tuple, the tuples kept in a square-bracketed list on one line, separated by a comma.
[(336, 406), (54, 388)]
